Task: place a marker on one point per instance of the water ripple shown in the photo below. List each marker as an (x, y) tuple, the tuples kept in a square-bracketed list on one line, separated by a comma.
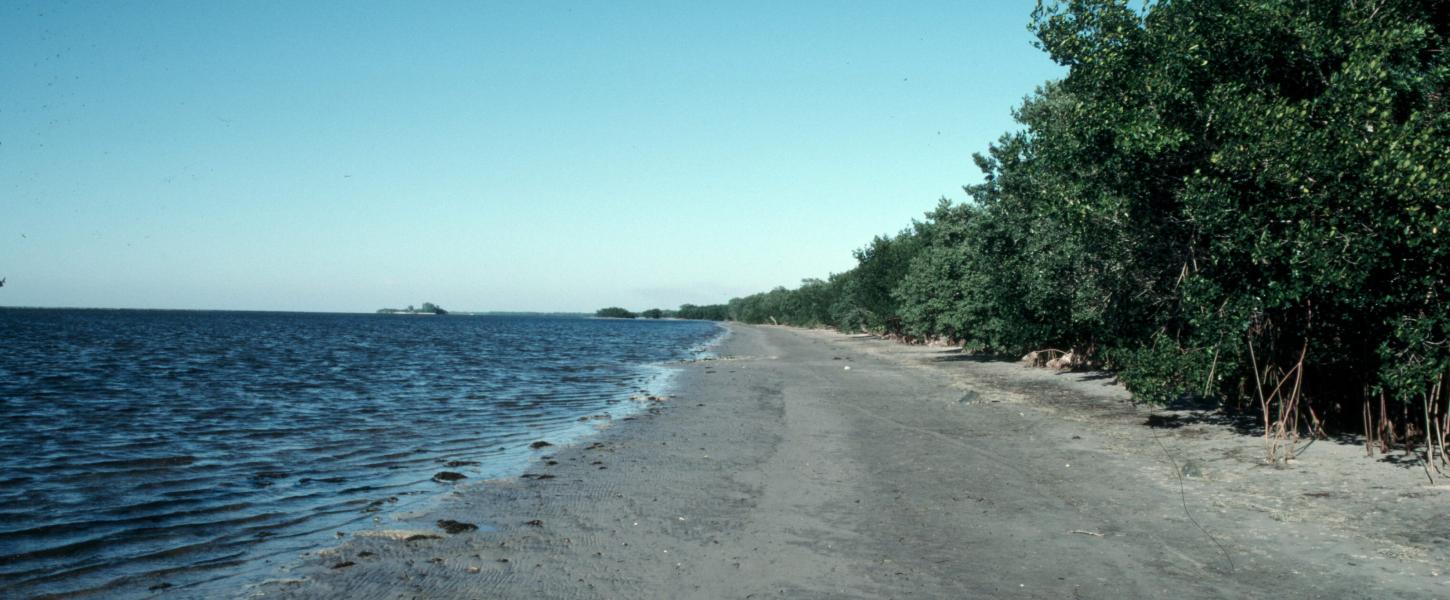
[(192, 447)]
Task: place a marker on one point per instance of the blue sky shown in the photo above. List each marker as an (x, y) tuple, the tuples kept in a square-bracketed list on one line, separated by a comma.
[(483, 156)]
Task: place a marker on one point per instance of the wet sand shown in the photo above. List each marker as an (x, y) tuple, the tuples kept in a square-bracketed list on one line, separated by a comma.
[(917, 472)]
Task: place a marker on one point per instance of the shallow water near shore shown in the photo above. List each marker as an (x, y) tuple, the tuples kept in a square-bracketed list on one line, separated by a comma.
[(157, 448)]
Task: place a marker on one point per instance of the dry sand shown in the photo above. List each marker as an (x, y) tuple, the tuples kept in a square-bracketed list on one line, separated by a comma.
[(916, 473)]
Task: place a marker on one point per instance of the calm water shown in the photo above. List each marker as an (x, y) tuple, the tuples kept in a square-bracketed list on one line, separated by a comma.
[(194, 448)]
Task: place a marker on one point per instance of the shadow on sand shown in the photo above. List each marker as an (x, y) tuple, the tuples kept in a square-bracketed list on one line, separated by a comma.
[(1186, 410)]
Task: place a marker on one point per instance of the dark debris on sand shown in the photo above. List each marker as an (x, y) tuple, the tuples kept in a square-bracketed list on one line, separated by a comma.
[(455, 527)]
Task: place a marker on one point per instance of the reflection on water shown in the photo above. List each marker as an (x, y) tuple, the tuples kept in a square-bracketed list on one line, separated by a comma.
[(142, 448)]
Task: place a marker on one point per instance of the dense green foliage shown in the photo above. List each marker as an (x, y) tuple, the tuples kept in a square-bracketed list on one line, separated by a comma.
[(709, 312), (1216, 189)]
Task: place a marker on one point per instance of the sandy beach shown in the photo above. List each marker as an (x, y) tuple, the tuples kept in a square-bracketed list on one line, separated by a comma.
[(811, 464)]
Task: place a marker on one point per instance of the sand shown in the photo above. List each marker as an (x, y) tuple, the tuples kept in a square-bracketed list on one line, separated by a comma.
[(916, 473)]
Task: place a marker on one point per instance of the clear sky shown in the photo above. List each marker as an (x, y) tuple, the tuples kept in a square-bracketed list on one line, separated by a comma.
[(482, 156)]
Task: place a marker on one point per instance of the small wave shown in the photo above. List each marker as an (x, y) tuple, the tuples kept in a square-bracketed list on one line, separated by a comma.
[(135, 463), (166, 444)]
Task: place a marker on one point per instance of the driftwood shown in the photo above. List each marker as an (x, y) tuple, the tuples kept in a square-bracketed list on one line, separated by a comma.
[(1061, 360)]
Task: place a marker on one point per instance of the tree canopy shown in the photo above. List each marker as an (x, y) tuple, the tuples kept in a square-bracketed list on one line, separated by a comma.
[(1218, 193)]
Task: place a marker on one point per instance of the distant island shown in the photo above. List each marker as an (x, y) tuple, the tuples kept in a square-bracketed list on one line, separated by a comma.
[(428, 308)]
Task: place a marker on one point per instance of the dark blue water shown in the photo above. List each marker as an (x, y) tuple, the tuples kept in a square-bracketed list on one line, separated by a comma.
[(191, 448)]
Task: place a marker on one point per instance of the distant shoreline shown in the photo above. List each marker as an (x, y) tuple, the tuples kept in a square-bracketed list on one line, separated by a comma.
[(502, 313)]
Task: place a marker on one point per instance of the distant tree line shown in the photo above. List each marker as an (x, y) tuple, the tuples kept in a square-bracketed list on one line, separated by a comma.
[(1233, 199), (708, 312), (713, 312)]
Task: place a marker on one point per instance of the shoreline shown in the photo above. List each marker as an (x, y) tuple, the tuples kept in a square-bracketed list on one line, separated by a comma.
[(917, 472), (209, 469), (658, 380)]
